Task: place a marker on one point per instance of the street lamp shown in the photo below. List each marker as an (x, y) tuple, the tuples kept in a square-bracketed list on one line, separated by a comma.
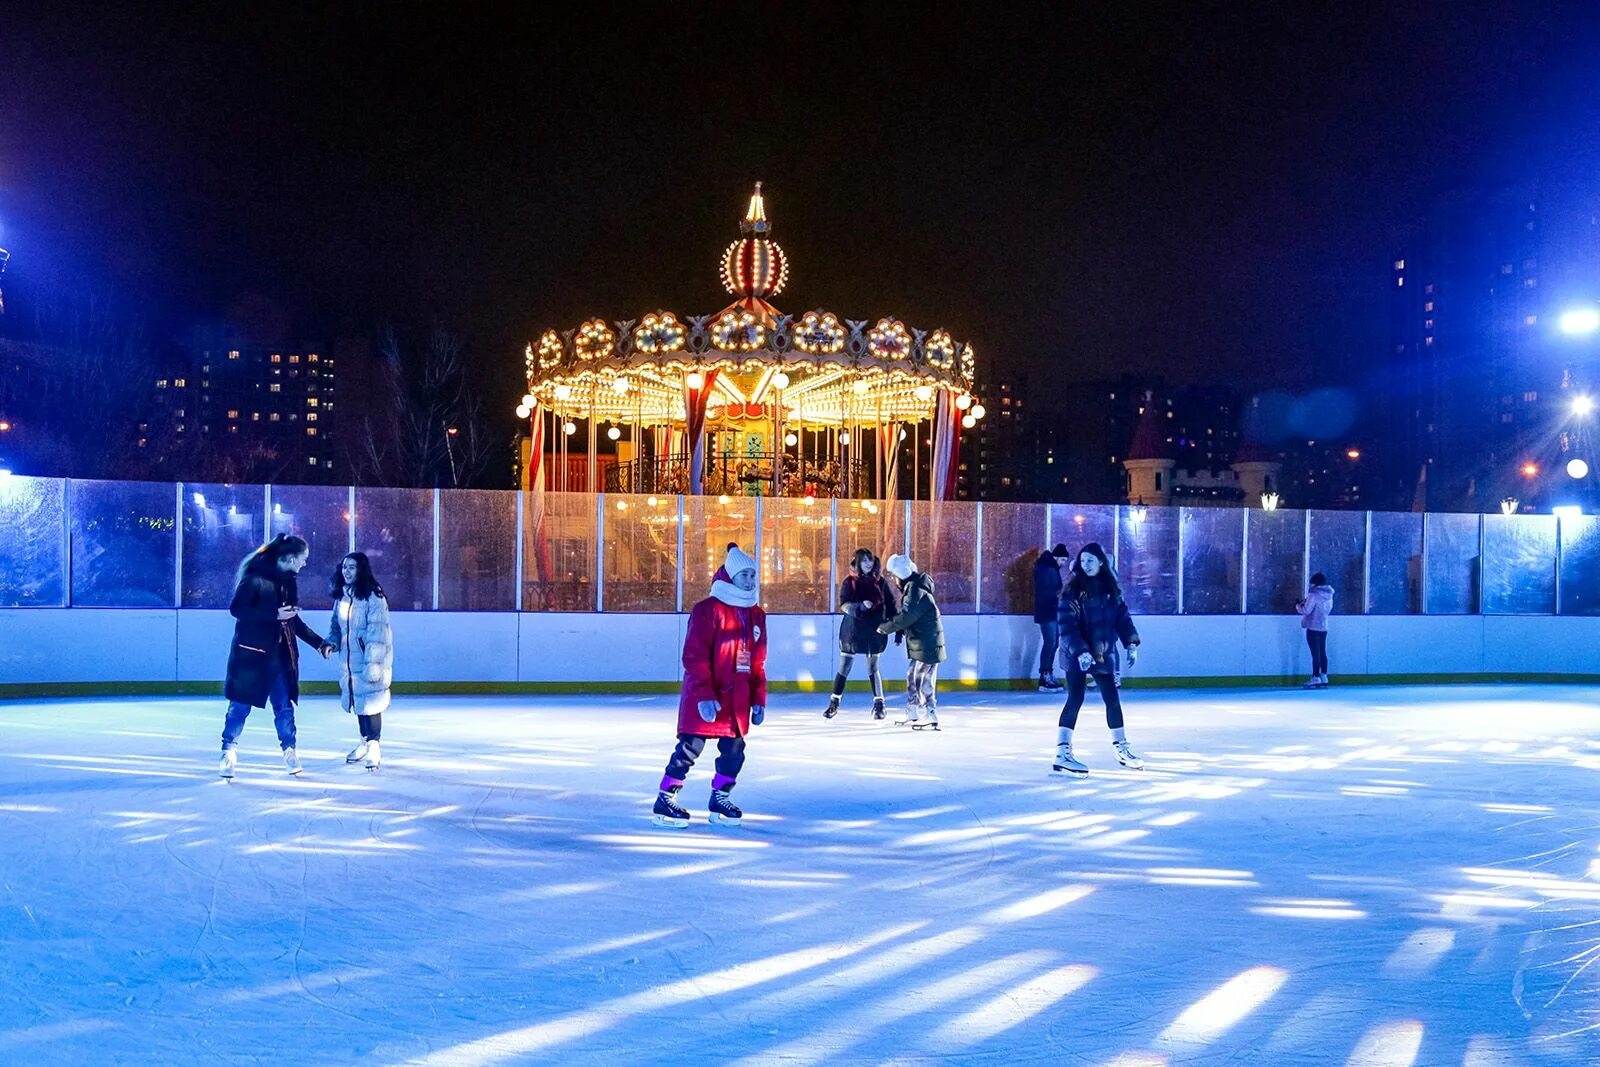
[(1509, 505), (1577, 468), (1269, 501), (1579, 321), (1583, 404)]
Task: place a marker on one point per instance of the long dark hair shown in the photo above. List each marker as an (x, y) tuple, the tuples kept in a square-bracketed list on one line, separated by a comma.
[(866, 553), (264, 560), (1104, 582), (365, 584)]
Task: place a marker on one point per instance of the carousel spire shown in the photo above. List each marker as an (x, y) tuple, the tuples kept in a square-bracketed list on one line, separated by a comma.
[(754, 267), (755, 219)]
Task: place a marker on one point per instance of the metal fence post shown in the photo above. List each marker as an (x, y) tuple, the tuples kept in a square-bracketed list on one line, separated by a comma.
[(682, 514), (177, 555), (1482, 560), (760, 563), (1305, 563), (1560, 547), (599, 552), (977, 567), (516, 594), (1422, 576), (350, 522), (833, 555), (1366, 569), (1180, 561), (1244, 565), (66, 542), (437, 502)]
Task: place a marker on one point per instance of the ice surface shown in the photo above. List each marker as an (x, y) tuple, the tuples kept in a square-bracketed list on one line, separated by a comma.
[(1383, 876)]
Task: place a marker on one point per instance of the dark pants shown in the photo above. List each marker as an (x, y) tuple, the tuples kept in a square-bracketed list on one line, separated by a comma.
[(1050, 634), (282, 716), (846, 661), (1077, 686), (1317, 641), (371, 726), (730, 758)]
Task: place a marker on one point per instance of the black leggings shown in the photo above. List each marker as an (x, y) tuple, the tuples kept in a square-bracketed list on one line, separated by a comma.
[(846, 661), (1077, 686), (730, 756), (1317, 641), (371, 726)]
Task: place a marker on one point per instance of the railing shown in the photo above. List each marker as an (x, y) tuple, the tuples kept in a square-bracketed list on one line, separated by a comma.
[(142, 544), (747, 474)]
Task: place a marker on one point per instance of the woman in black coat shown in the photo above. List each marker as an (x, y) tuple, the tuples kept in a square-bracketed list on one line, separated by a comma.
[(263, 661), (1093, 618), (865, 599), (1046, 605)]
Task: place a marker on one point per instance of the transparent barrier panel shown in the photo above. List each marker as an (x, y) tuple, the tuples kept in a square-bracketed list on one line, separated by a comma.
[(875, 524), (1339, 550), (321, 515), (559, 540), (796, 543), (944, 544), (124, 539), (477, 550), (1078, 525), (1148, 559), (394, 527), (1580, 565), (1454, 569), (710, 523), (1213, 551), (1519, 566), (221, 525), (1013, 538), (1396, 566), (31, 528), (641, 537), (1277, 554)]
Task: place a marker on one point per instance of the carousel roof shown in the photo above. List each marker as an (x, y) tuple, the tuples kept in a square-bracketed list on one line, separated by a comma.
[(817, 367)]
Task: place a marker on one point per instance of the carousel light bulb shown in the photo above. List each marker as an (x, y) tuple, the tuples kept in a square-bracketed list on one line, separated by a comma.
[(619, 386), (979, 411), (780, 380), (860, 387), (523, 411), (902, 434), (844, 438), (569, 428), (968, 422), (622, 505), (790, 439), (563, 392), (964, 401), (614, 433), (923, 393), (694, 379), (529, 399), (723, 499), (653, 502)]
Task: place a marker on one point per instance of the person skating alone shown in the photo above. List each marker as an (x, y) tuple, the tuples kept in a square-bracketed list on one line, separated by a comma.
[(264, 662), (1046, 603), (724, 689), (918, 622), (1094, 618), (361, 638), (1314, 610), (866, 600)]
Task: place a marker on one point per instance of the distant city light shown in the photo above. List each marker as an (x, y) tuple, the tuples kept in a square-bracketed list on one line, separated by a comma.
[(1530, 470), (1580, 321), (1583, 405), (1509, 505), (1577, 468), (5, 426), (1567, 511), (1354, 453)]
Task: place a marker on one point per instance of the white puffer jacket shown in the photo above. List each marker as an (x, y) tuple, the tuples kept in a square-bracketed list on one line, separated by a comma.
[(364, 647)]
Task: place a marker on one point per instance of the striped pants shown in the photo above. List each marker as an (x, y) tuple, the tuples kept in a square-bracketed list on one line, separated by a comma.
[(922, 680)]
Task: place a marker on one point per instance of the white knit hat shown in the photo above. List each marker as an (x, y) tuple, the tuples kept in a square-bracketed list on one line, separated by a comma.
[(738, 560), (900, 566)]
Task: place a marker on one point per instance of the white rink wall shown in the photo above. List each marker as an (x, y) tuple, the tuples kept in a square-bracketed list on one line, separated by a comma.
[(43, 647)]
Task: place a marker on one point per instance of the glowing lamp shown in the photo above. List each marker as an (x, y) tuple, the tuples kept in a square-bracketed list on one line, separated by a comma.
[(1530, 470), (523, 411), (780, 380), (860, 387), (1583, 405), (964, 401), (614, 433), (1577, 468), (1354, 453), (622, 505), (563, 392), (968, 422), (694, 380), (844, 438), (653, 502), (979, 411), (619, 386), (723, 499), (923, 393), (790, 439), (529, 399), (1579, 321), (5, 427), (199, 500), (569, 428)]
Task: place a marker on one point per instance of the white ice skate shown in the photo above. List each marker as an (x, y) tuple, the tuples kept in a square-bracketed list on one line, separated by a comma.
[(1314, 682), (230, 760), (292, 761), (1126, 757), (374, 755), (917, 720), (1066, 761), (1322, 681), (357, 754)]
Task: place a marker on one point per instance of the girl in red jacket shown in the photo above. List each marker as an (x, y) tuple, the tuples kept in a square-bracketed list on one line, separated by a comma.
[(724, 688)]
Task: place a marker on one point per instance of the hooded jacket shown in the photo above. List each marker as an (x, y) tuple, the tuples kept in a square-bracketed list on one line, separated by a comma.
[(718, 629), (919, 618), (1316, 607), (1093, 621), (360, 635), (1046, 587)]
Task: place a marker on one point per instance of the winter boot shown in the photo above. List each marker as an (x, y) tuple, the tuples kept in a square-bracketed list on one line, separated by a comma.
[(723, 811), (1048, 683), (833, 707), (358, 753), (878, 710), (230, 760), (1126, 757), (374, 755), (292, 761), (667, 810)]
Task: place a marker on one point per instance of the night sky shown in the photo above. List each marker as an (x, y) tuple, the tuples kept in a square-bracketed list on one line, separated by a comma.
[(1078, 188)]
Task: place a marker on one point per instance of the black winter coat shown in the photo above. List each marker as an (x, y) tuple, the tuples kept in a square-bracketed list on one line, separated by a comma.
[(1093, 622), (1046, 588), (878, 602), (919, 618), (264, 647)]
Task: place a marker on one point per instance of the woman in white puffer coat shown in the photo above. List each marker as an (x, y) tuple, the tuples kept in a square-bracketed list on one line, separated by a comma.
[(363, 645)]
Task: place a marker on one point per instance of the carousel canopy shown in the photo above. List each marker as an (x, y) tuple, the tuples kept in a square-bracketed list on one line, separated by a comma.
[(813, 369)]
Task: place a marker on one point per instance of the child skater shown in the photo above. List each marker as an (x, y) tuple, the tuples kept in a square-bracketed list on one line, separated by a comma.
[(865, 600), (263, 662), (724, 689), (360, 635), (1093, 618), (918, 623), (1314, 611)]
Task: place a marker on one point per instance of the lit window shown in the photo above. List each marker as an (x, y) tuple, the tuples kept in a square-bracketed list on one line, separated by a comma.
[(1428, 341), (276, 388), (312, 460), (1530, 397), (255, 416), (311, 402), (311, 417), (312, 358), (1530, 283), (180, 413), (294, 359), (233, 413), (1399, 264), (311, 431), (141, 442), (180, 382), (1400, 281), (273, 417), (233, 429), (161, 383), (1428, 325), (233, 355), (1428, 289), (328, 406), (1428, 306), (277, 359), (1505, 268)]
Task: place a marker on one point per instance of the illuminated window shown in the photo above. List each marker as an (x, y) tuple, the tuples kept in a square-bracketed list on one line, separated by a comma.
[(312, 358), (1530, 283), (1530, 397), (255, 416), (180, 413), (233, 429), (311, 402), (277, 358), (1400, 281), (180, 382), (1428, 325), (161, 383), (312, 460), (276, 388), (1530, 320), (273, 417), (233, 355), (328, 406), (311, 417), (1428, 289), (294, 359), (1428, 341), (233, 413), (311, 431), (1399, 264), (141, 442), (1428, 306)]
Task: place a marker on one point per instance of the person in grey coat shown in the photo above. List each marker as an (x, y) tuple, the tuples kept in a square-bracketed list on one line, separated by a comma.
[(364, 645)]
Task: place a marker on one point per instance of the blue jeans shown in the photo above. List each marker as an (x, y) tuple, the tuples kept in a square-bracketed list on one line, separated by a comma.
[(1050, 633), (282, 716)]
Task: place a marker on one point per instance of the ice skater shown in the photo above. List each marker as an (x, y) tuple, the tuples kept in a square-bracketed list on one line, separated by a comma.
[(1046, 603), (919, 625), (1093, 618), (264, 662), (359, 634), (866, 601), (724, 689), (1314, 610)]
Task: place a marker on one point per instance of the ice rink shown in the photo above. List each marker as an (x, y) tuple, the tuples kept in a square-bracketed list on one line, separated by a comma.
[(1364, 876)]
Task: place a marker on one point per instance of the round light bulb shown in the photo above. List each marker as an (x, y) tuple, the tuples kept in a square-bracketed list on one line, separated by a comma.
[(523, 411), (694, 379), (790, 439), (622, 505), (923, 393), (780, 380), (902, 434), (964, 401), (723, 499), (653, 502), (844, 439), (614, 433), (569, 428), (620, 386), (563, 392), (529, 399), (860, 387), (1577, 468), (968, 422), (979, 411)]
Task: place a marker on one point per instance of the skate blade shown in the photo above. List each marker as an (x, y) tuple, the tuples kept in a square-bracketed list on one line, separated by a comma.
[(725, 821), (670, 823), (1071, 771), (1133, 766), (372, 768), (227, 775), (352, 759), (925, 726)]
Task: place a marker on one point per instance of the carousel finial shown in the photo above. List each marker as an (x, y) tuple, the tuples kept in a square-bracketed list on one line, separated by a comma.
[(755, 219)]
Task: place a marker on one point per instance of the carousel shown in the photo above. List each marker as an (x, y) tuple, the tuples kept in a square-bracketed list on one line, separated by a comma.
[(748, 401)]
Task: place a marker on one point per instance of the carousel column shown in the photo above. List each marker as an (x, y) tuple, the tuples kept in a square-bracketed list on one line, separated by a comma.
[(594, 486)]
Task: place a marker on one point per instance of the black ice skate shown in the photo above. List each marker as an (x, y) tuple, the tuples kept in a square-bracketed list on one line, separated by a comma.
[(878, 710), (667, 811), (723, 811), (832, 708)]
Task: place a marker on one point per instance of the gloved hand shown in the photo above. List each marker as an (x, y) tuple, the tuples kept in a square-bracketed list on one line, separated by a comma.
[(851, 607), (1085, 661), (708, 710), (1133, 654), (899, 637), (757, 713)]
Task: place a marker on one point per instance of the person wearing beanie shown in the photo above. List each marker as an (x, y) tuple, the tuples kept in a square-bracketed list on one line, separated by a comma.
[(919, 625), (724, 689), (1046, 602), (1094, 618), (865, 600)]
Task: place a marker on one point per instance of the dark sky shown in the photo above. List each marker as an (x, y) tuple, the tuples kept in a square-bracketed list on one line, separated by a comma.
[(1083, 187)]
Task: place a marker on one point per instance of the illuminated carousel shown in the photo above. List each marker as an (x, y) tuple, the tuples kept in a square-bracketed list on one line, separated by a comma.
[(748, 401)]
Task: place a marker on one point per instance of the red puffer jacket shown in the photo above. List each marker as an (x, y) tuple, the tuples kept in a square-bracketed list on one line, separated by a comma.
[(711, 668)]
